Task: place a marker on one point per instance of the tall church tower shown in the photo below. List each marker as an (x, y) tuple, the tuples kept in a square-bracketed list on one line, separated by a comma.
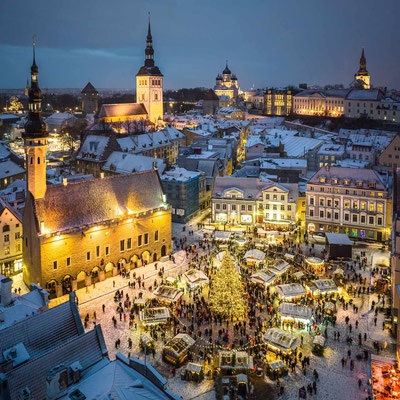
[(149, 84), (362, 74), (35, 138)]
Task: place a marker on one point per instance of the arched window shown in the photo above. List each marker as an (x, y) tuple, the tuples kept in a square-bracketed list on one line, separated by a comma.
[(38, 160), (31, 160)]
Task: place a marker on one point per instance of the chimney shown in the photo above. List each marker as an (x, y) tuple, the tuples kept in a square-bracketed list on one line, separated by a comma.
[(65, 181), (5, 291)]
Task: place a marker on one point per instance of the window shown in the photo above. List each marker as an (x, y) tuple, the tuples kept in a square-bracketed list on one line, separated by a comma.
[(380, 208), (346, 204), (329, 203), (355, 217), (6, 238), (17, 235), (243, 207), (289, 208), (129, 243), (379, 220), (107, 250), (371, 220), (68, 261), (311, 213), (6, 228), (146, 238), (249, 208), (283, 197), (140, 240), (321, 214), (17, 248), (362, 219), (311, 201), (267, 206), (54, 264), (363, 206), (267, 197), (218, 206), (224, 206), (372, 207), (88, 256), (336, 203), (347, 217), (322, 202), (275, 197), (336, 215), (233, 207), (156, 236)]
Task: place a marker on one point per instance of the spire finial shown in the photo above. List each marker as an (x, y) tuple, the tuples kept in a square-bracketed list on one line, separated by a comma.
[(34, 36), (226, 63), (149, 29)]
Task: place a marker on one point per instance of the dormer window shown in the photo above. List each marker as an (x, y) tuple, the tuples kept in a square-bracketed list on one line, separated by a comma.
[(372, 185), (346, 182), (359, 183), (335, 181), (322, 179)]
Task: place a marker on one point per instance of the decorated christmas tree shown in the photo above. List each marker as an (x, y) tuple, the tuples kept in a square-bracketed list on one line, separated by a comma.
[(226, 295)]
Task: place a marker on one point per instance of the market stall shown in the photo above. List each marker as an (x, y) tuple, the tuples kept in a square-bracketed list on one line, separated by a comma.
[(290, 291), (298, 275), (318, 345), (254, 257), (195, 278), (315, 264), (154, 316), (177, 349), (291, 311), (279, 340), (279, 267), (338, 245), (289, 257), (276, 369), (168, 294), (222, 235), (264, 277), (193, 372), (234, 362), (330, 308), (322, 286), (146, 343)]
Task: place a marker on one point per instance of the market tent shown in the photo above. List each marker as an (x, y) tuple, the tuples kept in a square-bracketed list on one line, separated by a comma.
[(289, 256), (281, 340), (168, 293), (280, 267), (254, 255), (156, 315), (339, 271), (290, 290), (195, 278), (322, 286), (264, 277), (298, 274), (294, 311), (319, 340), (221, 235)]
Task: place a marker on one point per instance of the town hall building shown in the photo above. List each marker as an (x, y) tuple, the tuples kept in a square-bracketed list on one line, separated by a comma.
[(75, 234)]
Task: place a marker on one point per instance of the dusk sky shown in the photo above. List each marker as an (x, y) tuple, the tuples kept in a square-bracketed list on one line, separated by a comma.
[(267, 43)]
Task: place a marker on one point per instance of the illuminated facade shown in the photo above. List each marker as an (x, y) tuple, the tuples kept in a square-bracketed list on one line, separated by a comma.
[(75, 234), (320, 102), (249, 202), (348, 200), (362, 76), (227, 84), (278, 101)]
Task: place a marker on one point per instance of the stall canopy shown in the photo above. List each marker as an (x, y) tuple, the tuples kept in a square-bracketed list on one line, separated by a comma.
[(155, 315), (168, 293), (290, 290), (221, 235), (264, 277), (277, 364), (289, 256), (319, 340), (254, 255), (279, 267), (339, 271), (180, 343), (195, 278), (323, 286), (294, 311), (298, 274), (338, 245), (281, 340)]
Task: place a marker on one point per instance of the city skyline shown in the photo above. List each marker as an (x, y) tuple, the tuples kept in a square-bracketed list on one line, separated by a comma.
[(258, 42)]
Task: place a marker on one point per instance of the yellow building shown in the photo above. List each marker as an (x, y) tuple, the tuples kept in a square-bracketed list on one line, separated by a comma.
[(75, 234)]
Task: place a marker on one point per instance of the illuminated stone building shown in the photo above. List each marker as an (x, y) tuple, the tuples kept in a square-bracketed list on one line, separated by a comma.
[(75, 234), (278, 101), (227, 84), (362, 78), (90, 99), (149, 94), (354, 201)]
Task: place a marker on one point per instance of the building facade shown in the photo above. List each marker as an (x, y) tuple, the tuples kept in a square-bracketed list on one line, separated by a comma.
[(250, 202), (348, 200), (79, 233), (227, 84), (278, 101), (11, 240), (390, 156), (90, 99)]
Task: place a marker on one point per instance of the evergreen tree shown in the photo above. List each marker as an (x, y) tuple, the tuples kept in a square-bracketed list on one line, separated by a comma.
[(226, 294)]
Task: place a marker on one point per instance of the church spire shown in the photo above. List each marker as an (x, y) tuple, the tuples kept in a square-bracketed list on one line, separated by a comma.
[(35, 126), (363, 62), (149, 52)]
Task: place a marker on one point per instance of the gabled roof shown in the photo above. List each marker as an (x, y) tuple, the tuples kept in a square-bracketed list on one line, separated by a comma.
[(89, 89), (210, 95), (95, 201), (122, 110), (9, 168)]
